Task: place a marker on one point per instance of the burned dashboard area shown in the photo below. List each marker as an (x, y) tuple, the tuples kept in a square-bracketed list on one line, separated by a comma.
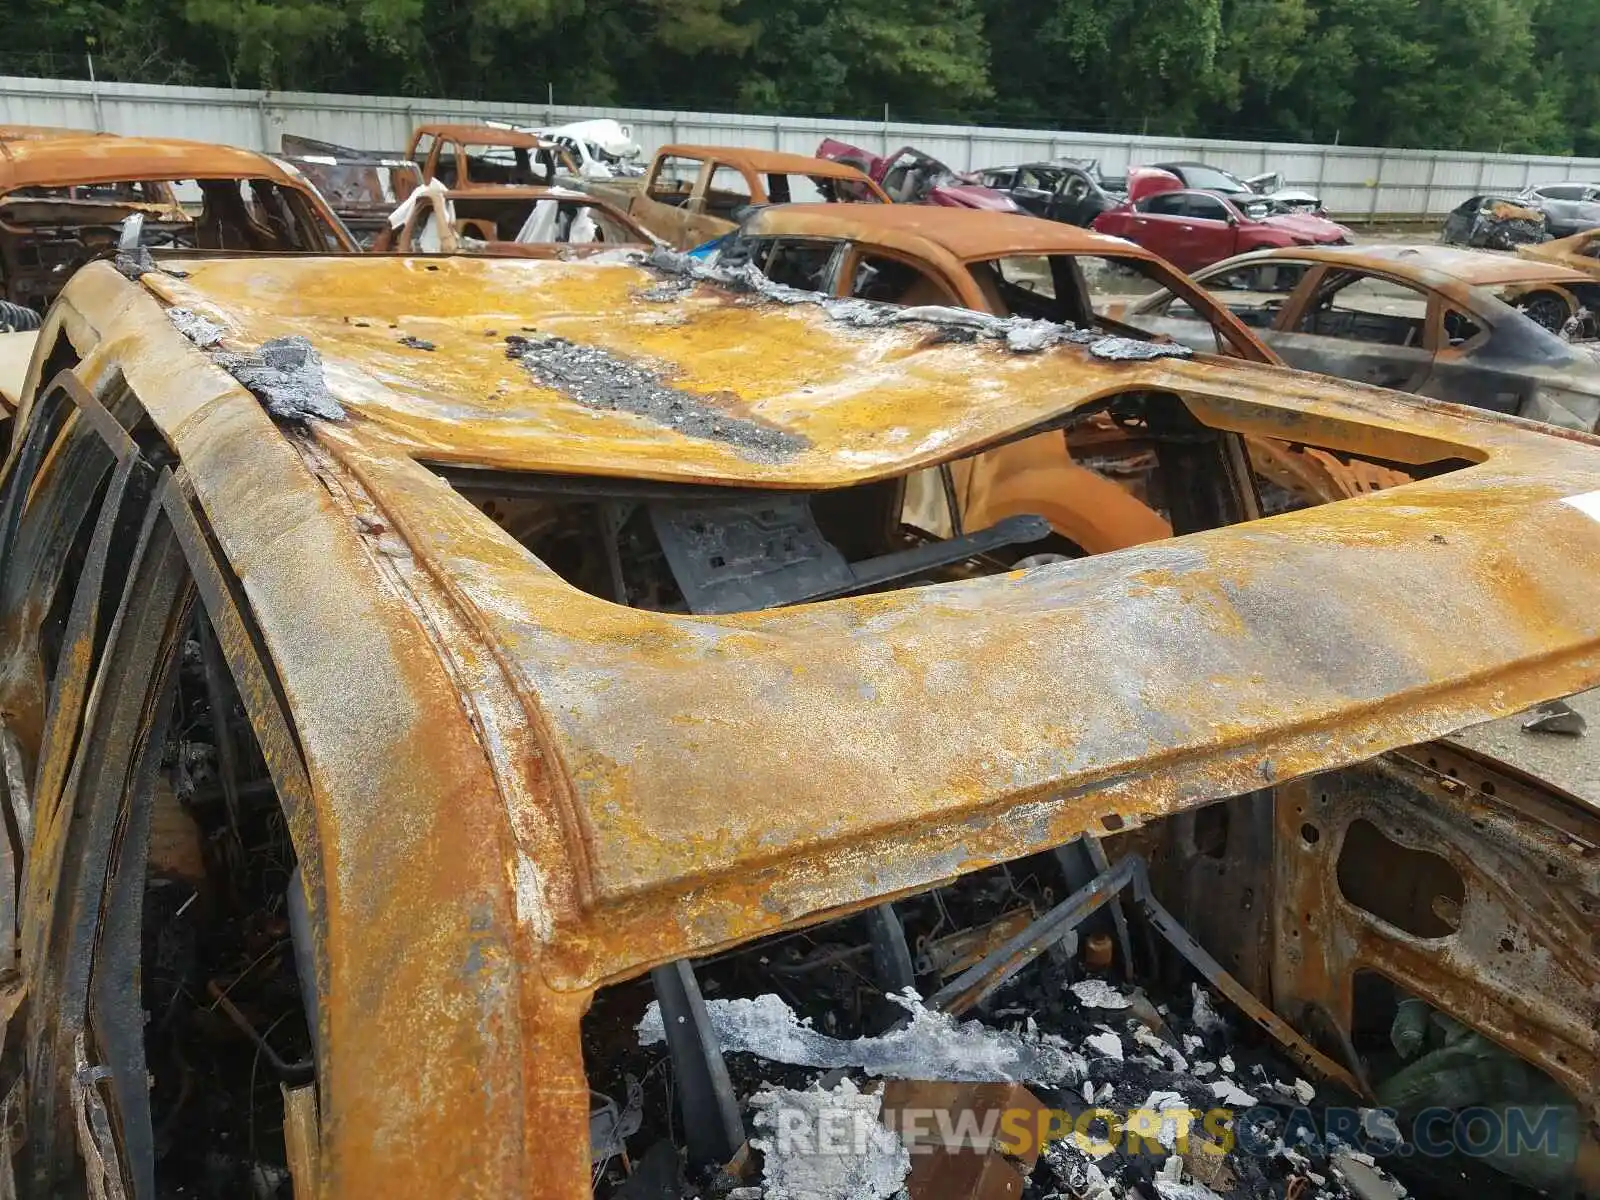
[(705, 549)]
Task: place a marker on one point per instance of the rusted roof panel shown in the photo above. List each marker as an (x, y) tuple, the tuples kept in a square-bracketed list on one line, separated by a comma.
[(767, 161), (1477, 268), (94, 158), (967, 233), (533, 790), (801, 401)]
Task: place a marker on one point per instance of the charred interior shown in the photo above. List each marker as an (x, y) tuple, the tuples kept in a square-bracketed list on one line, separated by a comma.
[(48, 233), (1348, 986), (678, 548), (227, 1035)]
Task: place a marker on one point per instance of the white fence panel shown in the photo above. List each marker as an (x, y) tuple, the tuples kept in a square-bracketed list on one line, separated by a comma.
[(1353, 181)]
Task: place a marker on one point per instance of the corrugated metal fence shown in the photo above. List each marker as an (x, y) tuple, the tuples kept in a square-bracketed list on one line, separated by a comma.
[(1354, 181)]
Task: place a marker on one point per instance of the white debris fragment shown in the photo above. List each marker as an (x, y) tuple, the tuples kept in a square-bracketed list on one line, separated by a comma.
[(933, 1045), (1104, 1094), (1097, 993), (1168, 1190), (1202, 1069), (1203, 1015), (1191, 1044), (1088, 1092), (1107, 1045), (1380, 1125), (827, 1145), (1226, 1063), (1165, 1050), (1172, 1169), (1232, 1094), (1304, 1092), (1172, 1108)]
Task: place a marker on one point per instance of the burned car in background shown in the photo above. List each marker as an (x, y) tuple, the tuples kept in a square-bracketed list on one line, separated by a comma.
[(361, 186), (468, 155), (1568, 208), (64, 201), (376, 715), (1496, 332), (1225, 183), (909, 176), (1193, 229), (692, 195), (1072, 192), (1097, 488), (506, 220), (1494, 223)]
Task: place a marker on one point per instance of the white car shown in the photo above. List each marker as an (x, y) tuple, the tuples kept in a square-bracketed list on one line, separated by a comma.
[(602, 148)]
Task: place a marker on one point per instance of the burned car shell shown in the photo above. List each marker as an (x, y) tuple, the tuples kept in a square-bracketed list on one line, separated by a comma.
[(505, 793), (909, 176), (1568, 208), (691, 195), (1067, 192), (444, 152), (46, 173), (1455, 340), (361, 186), (1494, 223), (491, 219)]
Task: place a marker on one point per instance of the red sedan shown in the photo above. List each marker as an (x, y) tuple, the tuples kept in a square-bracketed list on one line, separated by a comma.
[(1193, 229)]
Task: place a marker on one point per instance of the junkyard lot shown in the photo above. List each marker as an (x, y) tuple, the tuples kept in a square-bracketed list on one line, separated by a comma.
[(1317, 984)]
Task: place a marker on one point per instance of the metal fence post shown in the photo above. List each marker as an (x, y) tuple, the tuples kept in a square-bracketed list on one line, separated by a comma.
[(94, 97), (1427, 191)]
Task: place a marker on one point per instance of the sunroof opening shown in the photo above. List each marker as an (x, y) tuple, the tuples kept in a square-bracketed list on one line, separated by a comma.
[(1137, 469)]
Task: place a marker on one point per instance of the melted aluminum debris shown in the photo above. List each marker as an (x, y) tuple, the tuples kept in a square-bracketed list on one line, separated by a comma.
[(932, 1045), (600, 380), (285, 374), (135, 264), (1022, 335), (799, 1163), (197, 329)]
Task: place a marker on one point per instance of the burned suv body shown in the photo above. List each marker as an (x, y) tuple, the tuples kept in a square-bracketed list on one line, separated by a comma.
[(404, 658)]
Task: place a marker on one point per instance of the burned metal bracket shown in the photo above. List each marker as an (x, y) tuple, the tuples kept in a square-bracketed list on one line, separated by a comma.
[(887, 568), (1081, 860), (979, 982), (891, 956), (710, 1110)]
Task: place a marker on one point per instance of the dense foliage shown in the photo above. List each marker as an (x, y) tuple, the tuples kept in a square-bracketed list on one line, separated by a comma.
[(1518, 75)]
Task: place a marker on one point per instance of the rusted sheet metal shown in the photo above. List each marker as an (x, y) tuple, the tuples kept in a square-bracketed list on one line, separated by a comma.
[(1576, 253), (926, 230), (852, 405), (776, 162), (535, 791), (1444, 876), (46, 162)]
